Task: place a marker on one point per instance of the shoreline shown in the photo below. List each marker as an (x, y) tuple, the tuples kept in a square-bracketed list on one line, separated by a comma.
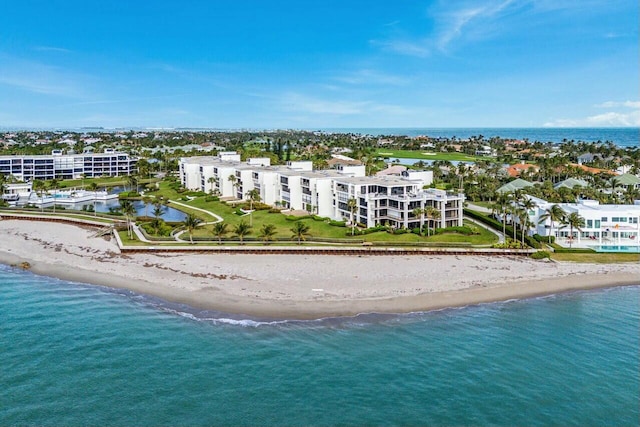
[(311, 310), (299, 287)]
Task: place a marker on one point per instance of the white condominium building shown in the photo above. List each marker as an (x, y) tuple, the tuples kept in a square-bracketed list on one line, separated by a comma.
[(67, 166), (392, 201), (386, 200)]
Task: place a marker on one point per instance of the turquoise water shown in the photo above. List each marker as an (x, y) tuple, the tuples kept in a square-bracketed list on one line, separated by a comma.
[(617, 248), (75, 354), (623, 137)]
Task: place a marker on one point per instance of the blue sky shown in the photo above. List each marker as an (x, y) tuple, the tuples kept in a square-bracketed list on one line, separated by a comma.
[(319, 64)]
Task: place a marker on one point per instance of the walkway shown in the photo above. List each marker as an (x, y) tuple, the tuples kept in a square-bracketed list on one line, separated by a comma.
[(486, 227), (202, 224)]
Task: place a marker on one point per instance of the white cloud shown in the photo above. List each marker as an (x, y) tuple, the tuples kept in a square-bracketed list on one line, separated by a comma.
[(51, 49), (617, 104), (42, 79), (367, 76), (451, 25), (308, 104), (609, 119), (418, 48)]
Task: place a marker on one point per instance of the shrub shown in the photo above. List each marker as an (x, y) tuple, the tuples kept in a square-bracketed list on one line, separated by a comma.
[(338, 223), (509, 244), (467, 231), (319, 218), (541, 255), (401, 231), (212, 199)]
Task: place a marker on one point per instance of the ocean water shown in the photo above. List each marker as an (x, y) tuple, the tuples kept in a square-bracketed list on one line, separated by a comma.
[(74, 354), (623, 137)]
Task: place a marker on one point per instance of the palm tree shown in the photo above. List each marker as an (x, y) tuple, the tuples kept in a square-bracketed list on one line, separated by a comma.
[(158, 210), (432, 213), (220, 230), (39, 186), (300, 231), (93, 187), (254, 196), (352, 205), (147, 201), (554, 214), (129, 211), (190, 223), (573, 220), (133, 182), (234, 182), (54, 184), (242, 229), (420, 212), (615, 182), (267, 232), (212, 180)]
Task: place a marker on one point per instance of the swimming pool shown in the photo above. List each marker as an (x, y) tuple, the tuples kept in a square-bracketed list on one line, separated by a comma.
[(617, 248)]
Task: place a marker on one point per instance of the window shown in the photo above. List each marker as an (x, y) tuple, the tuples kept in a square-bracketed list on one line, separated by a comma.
[(597, 221), (589, 223), (604, 219)]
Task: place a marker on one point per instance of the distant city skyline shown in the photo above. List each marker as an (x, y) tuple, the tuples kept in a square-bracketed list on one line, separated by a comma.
[(331, 64)]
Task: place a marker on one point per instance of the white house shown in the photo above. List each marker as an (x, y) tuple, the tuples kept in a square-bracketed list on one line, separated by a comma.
[(604, 224)]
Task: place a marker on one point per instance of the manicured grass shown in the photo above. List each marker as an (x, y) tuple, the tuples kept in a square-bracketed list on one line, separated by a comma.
[(426, 155), (600, 258), (319, 229)]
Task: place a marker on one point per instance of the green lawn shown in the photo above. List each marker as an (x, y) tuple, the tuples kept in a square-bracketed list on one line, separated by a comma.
[(320, 229), (426, 155)]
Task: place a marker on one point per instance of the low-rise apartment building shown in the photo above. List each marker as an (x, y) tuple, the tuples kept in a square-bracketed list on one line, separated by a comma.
[(380, 200), (67, 166)]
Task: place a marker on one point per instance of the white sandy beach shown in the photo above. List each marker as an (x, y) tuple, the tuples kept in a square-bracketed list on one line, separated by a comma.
[(297, 286)]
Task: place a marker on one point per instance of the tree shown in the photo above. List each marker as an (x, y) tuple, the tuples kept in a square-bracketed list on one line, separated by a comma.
[(234, 182), (420, 212), (212, 180), (554, 214), (241, 230), (573, 220), (93, 187), (54, 184), (253, 196), (39, 187), (300, 231), (190, 223), (158, 210), (352, 205), (267, 232), (432, 214), (129, 211), (220, 229), (147, 201), (133, 182)]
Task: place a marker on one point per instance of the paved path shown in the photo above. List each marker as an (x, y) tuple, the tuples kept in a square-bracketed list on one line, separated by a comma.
[(202, 224), (478, 208), (486, 227)]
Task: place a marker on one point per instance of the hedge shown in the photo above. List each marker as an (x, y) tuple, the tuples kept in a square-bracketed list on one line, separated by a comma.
[(562, 250)]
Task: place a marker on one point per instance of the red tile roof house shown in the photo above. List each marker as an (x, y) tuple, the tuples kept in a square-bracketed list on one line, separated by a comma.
[(517, 169)]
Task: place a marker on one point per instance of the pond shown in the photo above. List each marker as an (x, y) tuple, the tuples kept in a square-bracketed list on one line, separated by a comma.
[(142, 209)]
